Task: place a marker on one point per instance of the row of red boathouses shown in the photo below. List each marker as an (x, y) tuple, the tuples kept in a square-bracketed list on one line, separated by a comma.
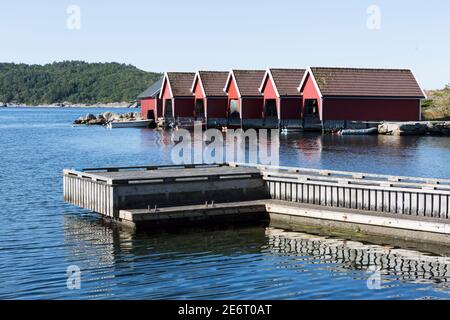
[(285, 97)]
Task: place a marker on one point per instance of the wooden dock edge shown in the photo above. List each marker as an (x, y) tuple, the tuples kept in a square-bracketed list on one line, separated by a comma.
[(289, 215), (194, 215)]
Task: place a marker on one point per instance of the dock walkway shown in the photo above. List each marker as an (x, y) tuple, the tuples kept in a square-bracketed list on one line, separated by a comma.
[(146, 196)]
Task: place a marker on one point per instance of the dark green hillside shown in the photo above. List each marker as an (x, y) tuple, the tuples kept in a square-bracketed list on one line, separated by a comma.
[(72, 81)]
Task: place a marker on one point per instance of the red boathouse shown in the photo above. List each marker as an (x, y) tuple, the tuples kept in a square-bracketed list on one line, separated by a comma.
[(210, 100), (151, 105), (176, 95), (342, 94), (282, 100), (245, 102)]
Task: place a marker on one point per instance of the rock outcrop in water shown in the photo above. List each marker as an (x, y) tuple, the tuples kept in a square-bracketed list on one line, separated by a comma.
[(105, 117), (439, 128), (414, 128)]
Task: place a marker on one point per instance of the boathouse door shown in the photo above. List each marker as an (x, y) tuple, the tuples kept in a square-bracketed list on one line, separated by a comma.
[(199, 109), (234, 117), (311, 109), (168, 109), (151, 114), (270, 113)]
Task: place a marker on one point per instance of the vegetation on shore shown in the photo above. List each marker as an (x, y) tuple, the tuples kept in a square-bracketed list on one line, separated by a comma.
[(437, 106), (75, 82)]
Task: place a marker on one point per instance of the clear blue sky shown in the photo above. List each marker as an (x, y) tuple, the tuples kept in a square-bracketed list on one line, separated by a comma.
[(170, 35)]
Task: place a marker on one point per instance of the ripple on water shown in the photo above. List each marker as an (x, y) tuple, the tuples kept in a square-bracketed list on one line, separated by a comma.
[(42, 235)]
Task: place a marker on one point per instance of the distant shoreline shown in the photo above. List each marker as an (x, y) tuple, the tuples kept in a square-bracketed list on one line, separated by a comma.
[(74, 105)]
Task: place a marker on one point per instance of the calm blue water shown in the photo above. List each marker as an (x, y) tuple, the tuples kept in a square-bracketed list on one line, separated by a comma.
[(42, 236)]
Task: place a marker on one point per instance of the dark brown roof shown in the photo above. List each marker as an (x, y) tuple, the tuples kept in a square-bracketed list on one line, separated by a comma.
[(249, 81), (367, 82), (181, 83), (214, 82), (287, 80)]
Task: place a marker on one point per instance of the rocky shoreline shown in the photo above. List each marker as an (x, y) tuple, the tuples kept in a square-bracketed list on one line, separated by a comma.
[(72, 105), (435, 128), (106, 117)]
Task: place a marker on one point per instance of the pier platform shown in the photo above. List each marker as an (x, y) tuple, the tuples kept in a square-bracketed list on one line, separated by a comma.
[(208, 213), (155, 196)]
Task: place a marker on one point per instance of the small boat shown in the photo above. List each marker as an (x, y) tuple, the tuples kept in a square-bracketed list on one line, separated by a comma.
[(358, 132), (130, 124)]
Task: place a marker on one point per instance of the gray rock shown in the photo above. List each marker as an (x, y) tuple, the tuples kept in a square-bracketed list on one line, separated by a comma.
[(89, 117), (109, 116), (137, 115), (106, 115), (439, 128), (80, 120), (131, 115), (403, 128), (383, 128), (128, 115)]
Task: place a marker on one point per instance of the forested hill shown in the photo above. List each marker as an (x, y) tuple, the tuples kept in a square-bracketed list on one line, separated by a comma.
[(73, 82)]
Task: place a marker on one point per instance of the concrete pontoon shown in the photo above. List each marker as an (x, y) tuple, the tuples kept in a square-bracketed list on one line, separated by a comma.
[(154, 196)]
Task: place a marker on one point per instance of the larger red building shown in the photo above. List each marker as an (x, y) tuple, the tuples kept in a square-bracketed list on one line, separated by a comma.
[(346, 94)]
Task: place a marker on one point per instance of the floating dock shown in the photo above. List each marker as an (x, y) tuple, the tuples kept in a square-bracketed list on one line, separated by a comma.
[(155, 196)]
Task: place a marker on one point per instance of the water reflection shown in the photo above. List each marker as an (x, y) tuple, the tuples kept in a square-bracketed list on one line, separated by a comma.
[(308, 147), (43, 235), (270, 263), (343, 255), (91, 246), (409, 156)]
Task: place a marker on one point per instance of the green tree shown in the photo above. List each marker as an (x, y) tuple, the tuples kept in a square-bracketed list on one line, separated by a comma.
[(72, 81)]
